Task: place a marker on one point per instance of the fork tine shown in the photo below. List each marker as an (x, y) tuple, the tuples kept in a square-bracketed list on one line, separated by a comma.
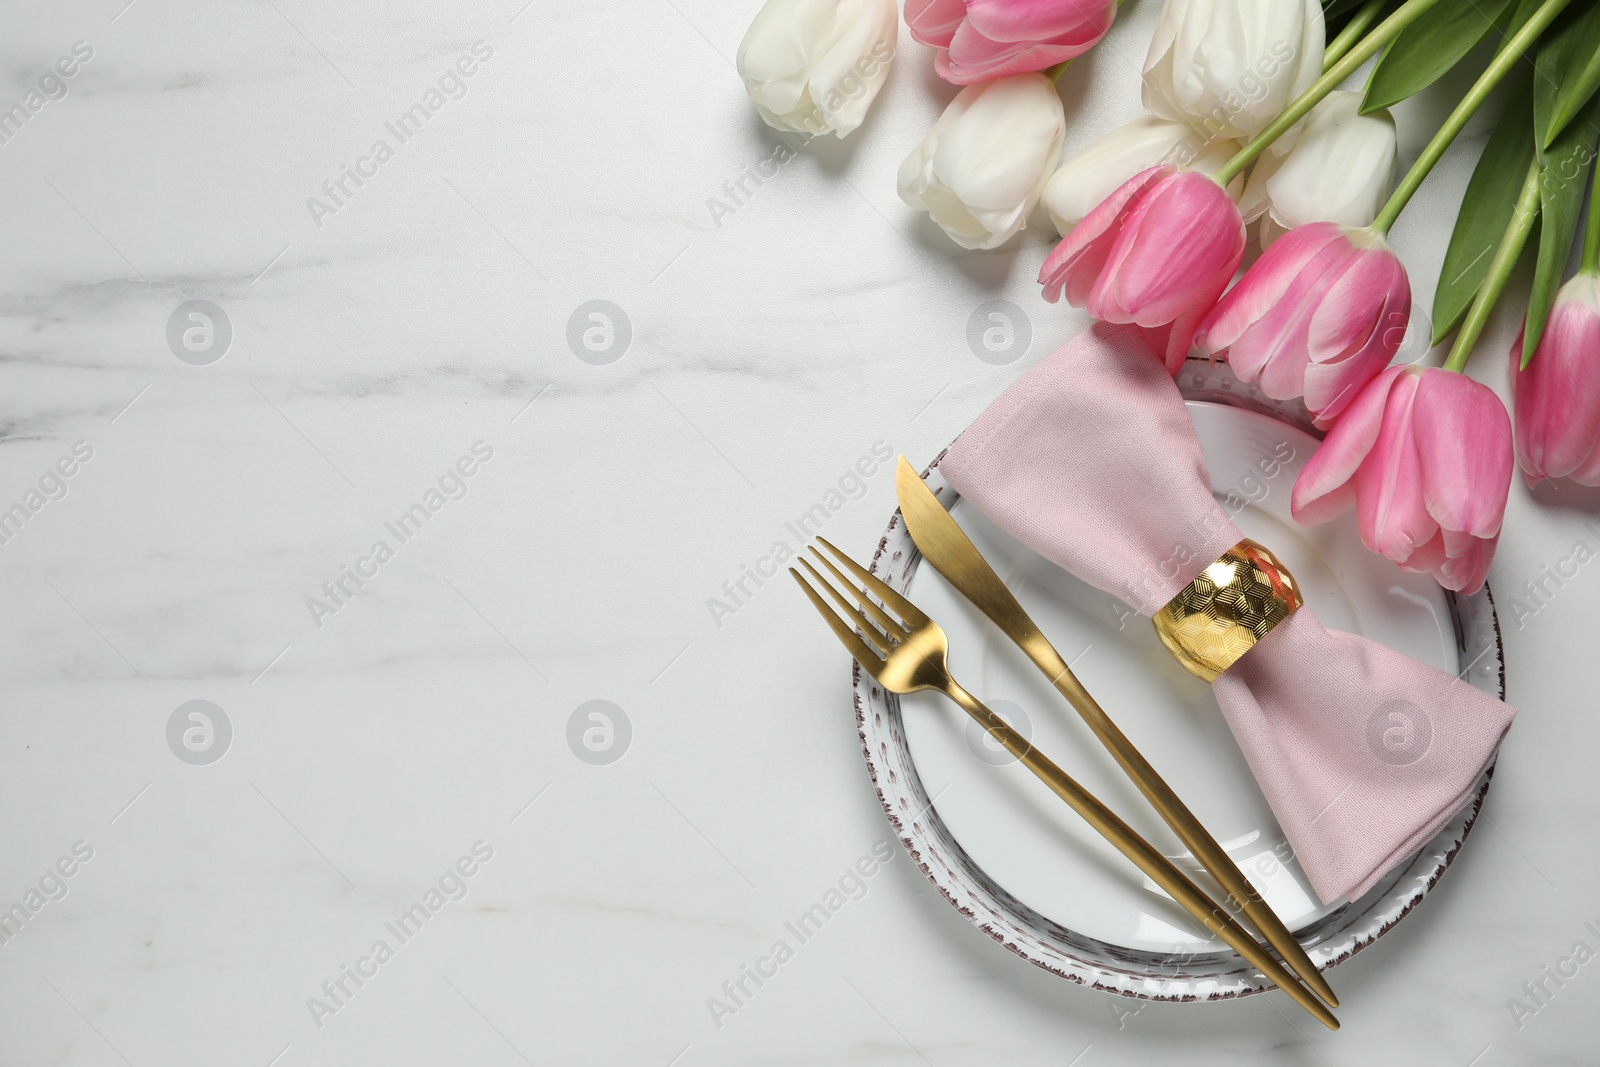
[(879, 640), (892, 625), (853, 644), (908, 611)]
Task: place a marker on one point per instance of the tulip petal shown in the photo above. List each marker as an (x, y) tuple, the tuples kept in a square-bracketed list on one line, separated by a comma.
[(1041, 20), (1262, 287), (1341, 168), (1075, 263), (775, 57), (934, 22), (1330, 388), (1232, 65), (1430, 557), (846, 79), (1286, 359), (1587, 472), (1557, 398), (980, 171), (954, 217), (1531, 401), (1087, 177), (1160, 62), (916, 177), (1146, 277), (1373, 284), (1391, 506), (1180, 339), (1356, 330), (1010, 135), (973, 58), (1156, 339), (1467, 561), (990, 39), (1323, 489), (1463, 440), (815, 66), (1279, 344)]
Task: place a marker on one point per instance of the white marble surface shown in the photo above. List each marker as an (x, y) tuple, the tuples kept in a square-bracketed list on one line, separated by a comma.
[(369, 753)]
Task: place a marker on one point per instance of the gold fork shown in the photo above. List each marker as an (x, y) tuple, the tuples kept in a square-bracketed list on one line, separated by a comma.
[(911, 656)]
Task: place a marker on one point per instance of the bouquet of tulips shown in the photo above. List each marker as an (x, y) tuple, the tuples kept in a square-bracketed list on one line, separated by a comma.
[(1250, 125)]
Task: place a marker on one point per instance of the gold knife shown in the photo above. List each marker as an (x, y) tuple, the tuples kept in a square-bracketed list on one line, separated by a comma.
[(945, 545)]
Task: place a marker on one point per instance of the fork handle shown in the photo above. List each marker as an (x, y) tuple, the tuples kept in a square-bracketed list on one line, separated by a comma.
[(1144, 856)]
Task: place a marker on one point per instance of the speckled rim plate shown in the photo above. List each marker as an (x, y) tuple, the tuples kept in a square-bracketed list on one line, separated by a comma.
[(1331, 938)]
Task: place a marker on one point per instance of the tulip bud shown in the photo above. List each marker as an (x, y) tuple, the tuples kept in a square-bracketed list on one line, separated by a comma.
[(980, 172), (1341, 169), (1558, 393), (978, 40), (1084, 180), (1157, 253), (1229, 67), (1425, 455), (815, 66), (1319, 315)]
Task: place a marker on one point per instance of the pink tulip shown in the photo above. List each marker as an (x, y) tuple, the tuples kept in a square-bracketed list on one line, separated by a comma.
[(978, 40), (1158, 252), (1426, 456), (1318, 316), (1558, 395)]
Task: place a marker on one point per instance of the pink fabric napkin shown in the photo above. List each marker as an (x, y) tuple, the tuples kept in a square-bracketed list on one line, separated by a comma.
[(1364, 754)]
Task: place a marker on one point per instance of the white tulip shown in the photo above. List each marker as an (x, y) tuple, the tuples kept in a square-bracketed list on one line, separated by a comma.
[(1086, 178), (980, 171), (815, 66), (1341, 169), (1229, 67)]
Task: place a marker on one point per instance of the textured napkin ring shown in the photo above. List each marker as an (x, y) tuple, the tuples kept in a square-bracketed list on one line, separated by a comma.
[(1234, 603)]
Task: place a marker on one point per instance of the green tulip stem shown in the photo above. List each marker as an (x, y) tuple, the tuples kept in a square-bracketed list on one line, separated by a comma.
[(1054, 73), (1359, 53), (1512, 52), (1591, 233), (1352, 32), (1500, 268)]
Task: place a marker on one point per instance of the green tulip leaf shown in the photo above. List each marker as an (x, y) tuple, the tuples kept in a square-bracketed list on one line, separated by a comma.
[(1523, 219), (1427, 49), (1486, 209), (1562, 186), (1567, 70)]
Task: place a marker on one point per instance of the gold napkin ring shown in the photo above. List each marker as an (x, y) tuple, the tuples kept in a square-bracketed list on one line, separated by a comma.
[(1234, 603)]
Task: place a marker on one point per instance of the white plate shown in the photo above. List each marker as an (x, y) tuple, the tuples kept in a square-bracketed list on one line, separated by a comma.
[(1048, 886)]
